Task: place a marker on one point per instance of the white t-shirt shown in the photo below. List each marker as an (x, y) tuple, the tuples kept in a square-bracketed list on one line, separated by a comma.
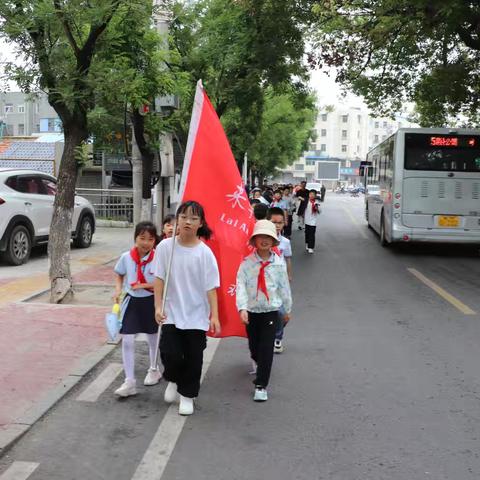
[(194, 272), (285, 246), (310, 217)]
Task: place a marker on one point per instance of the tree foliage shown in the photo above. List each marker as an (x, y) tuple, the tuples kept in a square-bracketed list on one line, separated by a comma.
[(397, 51)]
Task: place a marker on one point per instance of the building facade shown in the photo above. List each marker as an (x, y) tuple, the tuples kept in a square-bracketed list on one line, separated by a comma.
[(346, 134), (23, 115)]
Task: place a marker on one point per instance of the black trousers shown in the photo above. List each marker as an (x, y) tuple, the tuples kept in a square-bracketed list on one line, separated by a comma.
[(181, 352), (310, 236), (261, 331), (287, 230)]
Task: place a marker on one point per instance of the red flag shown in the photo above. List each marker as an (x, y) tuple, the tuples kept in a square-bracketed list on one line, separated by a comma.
[(210, 176)]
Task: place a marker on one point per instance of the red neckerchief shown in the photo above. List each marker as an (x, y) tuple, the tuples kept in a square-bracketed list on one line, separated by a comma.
[(314, 206), (140, 264), (277, 251), (261, 282)]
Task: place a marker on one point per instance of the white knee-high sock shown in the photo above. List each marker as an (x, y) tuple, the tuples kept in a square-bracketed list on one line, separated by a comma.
[(128, 355), (152, 348)]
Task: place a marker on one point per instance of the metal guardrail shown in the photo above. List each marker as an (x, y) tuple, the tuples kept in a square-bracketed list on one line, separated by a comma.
[(110, 204)]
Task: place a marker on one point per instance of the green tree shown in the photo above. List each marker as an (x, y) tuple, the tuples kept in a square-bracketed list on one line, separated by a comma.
[(287, 127), (61, 42), (239, 48), (397, 51)]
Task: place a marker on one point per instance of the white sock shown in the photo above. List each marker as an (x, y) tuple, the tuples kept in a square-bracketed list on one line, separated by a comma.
[(152, 348), (128, 355)]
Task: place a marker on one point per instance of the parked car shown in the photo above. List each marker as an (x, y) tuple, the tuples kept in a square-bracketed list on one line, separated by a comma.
[(26, 209)]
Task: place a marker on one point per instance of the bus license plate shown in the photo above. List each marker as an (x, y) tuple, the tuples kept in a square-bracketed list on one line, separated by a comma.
[(448, 221)]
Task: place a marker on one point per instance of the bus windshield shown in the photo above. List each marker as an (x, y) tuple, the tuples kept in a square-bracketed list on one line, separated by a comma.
[(442, 152)]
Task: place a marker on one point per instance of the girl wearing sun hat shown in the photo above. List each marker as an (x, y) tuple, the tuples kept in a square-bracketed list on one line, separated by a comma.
[(262, 288)]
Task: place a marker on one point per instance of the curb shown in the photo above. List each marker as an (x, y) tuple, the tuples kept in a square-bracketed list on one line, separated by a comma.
[(13, 432)]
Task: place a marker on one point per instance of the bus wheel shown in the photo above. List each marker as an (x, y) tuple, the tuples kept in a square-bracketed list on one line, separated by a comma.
[(383, 240)]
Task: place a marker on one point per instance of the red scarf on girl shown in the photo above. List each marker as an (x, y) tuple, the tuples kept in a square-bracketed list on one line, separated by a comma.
[(314, 206), (261, 282), (140, 264)]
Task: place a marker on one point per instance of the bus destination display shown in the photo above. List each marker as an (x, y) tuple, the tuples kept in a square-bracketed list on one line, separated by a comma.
[(463, 141)]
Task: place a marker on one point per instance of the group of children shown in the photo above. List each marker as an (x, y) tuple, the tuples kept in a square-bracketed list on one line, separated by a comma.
[(190, 310)]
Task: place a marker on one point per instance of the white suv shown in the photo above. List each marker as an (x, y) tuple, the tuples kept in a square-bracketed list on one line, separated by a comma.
[(26, 209)]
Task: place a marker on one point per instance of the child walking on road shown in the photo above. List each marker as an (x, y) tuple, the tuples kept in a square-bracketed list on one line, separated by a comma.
[(134, 276), (262, 289), (191, 307), (275, 215), (312, 212)]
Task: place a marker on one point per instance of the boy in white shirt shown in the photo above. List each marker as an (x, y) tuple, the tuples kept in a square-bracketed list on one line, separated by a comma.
[(312, 212), (276, 216)]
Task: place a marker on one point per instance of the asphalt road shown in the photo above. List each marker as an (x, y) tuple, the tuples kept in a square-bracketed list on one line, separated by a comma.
[(379, 380)]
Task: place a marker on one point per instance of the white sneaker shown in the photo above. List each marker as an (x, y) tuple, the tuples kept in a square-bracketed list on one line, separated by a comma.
[(306, 247), (260, 395), (127, 388), (153, 377), (253, 371), (171, 394), (186, 406), (277, 346), (310, 250)]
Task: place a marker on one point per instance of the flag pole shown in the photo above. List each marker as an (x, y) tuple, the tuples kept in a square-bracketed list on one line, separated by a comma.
[(192, 134), (165, 289)]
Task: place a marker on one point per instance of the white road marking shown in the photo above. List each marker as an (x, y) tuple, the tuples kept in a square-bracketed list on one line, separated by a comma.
[(161, 447), (19, 471), (101, 383)]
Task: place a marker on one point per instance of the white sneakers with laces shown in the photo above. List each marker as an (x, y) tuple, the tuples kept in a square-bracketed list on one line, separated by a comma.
[(153, 377), (186, 406), (126, 389), (260, 394), (278, 346), (310, 250), (171, 394)]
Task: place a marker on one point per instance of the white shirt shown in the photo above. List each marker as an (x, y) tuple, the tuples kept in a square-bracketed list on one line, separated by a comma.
[(310, 217), (194, 273), (127, 268), (285, 246)]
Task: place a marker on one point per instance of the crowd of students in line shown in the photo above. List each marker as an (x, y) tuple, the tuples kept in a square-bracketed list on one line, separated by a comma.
[(263, 294)]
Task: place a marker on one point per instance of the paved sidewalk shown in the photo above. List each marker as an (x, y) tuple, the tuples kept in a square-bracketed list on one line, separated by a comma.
[(46, 349)]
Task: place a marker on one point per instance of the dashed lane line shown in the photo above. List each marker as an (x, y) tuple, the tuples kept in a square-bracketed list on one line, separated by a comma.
[(355, 222), (101, 383), (155, 459), (19, 471), (442, 292)]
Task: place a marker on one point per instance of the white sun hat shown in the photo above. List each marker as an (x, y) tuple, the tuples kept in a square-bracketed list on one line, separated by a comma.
[(265, 227)]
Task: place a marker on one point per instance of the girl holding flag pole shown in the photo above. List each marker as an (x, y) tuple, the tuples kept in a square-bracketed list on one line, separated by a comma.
[(133, 274), (188, 269)]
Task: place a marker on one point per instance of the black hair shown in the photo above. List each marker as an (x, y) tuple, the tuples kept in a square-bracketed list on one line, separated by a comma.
[(275, 211), (260, 211), (148, 227), (313, 190), (204, 231), (278, 190), (168, 219)]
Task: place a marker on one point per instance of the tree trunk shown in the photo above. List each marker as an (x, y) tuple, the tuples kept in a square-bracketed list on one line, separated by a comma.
[(61, 226)]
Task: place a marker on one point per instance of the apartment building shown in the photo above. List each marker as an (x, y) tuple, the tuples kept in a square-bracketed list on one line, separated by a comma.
[(346, 134), (24, 115)]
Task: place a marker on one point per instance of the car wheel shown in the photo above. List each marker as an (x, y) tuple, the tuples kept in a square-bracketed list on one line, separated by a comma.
[(19, 246), (383, 240), (85, 233)]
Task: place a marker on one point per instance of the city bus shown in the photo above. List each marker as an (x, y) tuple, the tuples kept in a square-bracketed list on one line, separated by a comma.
[(428, 183)]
